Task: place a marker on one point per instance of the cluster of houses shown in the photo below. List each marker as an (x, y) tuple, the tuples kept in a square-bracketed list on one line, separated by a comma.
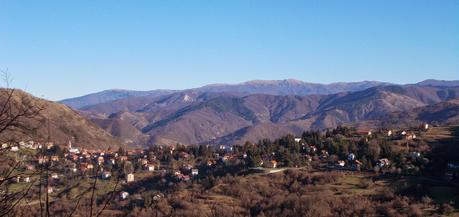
[(26, 145), (85, 162), (80, 161)]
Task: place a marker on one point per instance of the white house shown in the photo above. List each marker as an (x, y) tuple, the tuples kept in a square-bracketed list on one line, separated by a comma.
[(130, 177), (297, 140), (194, 172), (55, 176), (124, 195), (151, 168), (74, 150), (415, 154), (106, 175), (351, 157), (14, 148)]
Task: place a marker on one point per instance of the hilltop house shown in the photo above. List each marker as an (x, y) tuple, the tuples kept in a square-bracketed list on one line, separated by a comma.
[(130, 177), (54, 158), (55, 176), (150, 167), (14, 148), (271, 164), (384, 162), (364, 132), (106, 175), (351, 157), (124, 195), (341, 163), (100, 160)]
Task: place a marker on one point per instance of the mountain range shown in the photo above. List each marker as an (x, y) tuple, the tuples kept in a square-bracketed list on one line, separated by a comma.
[(229, 114), (273, 87)]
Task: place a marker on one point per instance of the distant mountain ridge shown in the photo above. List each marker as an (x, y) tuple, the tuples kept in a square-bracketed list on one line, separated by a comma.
[(109, 95), (440, 83), (193, 117), (273, 87)]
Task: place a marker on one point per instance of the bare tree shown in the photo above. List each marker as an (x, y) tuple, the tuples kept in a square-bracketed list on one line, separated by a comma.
[(15, 111)]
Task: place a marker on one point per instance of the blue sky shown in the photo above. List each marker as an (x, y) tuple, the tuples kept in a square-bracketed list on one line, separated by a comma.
[(59, 49)]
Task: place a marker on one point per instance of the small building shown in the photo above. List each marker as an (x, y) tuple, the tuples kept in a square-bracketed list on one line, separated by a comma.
[(54, 158), (384, 162), (144, 162), (194, 172), (14, 148), (312, 149), (106, 175), (55, 176), (183, 155), (365, 132), (351, 157), (415, 154), (130, 177), (49, 145), (124, 195), (100, 160), (389, 133), (341, 163), (210, 163), (185, 178), (297, 140), (409, 136), (42, 159), (150, 167), (30, 167), (271, 164)]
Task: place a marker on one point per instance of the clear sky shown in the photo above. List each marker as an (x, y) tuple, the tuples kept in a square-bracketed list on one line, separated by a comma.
[(59, 49)]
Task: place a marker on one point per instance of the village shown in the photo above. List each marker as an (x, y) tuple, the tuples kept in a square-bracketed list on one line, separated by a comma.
[(188, 163)]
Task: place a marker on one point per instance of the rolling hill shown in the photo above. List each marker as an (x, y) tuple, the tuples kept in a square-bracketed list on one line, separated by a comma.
[(64, 124)]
